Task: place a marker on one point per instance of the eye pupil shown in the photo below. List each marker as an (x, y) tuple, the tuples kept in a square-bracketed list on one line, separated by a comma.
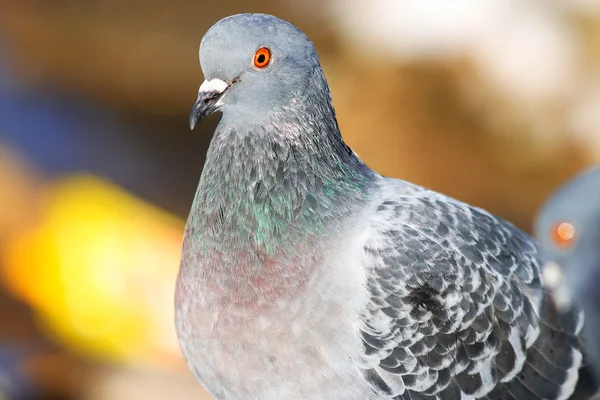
[(261, 58)]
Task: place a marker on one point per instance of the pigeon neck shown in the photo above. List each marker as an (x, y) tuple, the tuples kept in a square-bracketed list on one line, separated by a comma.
[(271, 202), (279, 183)]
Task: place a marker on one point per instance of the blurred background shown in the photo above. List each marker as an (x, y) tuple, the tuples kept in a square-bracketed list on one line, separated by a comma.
[(494, 102)]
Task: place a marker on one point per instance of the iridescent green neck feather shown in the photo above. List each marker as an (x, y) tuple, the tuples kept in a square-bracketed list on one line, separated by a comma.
[(278, 181)]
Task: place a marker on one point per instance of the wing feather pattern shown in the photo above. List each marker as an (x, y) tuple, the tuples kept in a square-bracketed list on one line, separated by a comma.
[(457, 309)]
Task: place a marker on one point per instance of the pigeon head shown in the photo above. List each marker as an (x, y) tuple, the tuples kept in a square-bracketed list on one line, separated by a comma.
[(568, 230), (253, 64)]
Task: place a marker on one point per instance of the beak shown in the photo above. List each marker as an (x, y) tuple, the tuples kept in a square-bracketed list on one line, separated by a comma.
[(553, 278), (209, 94)]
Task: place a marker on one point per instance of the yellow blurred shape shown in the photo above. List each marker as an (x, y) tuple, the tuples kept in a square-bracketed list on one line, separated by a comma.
[(100, 269)]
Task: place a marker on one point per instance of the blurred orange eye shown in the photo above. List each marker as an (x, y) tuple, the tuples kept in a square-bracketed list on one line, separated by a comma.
[(262, 57), (563, 234)]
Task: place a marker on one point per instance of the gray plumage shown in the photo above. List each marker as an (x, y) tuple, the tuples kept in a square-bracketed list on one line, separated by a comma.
[(573, 263), (306, 275)]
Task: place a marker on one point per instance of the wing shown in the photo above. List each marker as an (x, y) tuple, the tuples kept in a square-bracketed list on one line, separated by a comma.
[(457, 309)]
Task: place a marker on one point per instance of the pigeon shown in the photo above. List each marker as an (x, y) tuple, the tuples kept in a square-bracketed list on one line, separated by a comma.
[(568, 230), (306, 275)]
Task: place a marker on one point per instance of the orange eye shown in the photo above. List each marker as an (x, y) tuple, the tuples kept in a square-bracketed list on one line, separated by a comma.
[(563, 234), (262, 57)]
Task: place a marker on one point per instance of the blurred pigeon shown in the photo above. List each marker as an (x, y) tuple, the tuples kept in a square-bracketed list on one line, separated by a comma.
[(306, 275), (568, 229)]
